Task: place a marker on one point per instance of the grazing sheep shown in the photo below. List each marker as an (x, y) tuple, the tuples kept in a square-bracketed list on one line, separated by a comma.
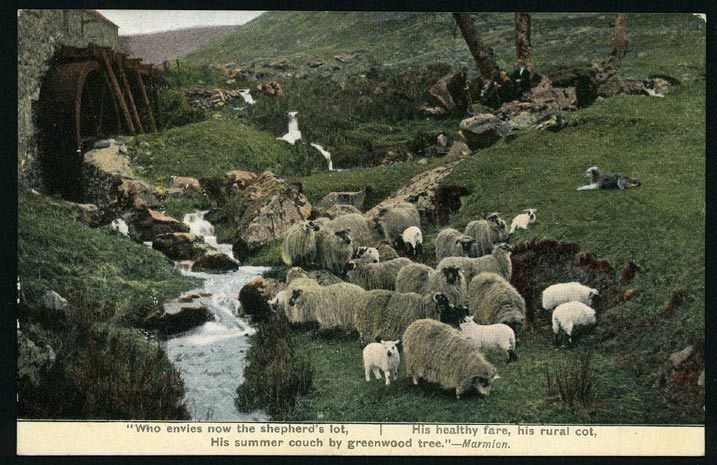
[(300, 244), (387, 252), (369, 254), (493, 300), (567, 292), (297, 315), (380, 275), (570, 315), (488, 232), (355, 224), (490, 337), (600, 180), (334, 250), (437, 353), (412, 238), (382, 356), (449, 280), (413, 278), (394, 220), (497, 262), (331, 306), (453, 243), (387, 314), (523, 220)]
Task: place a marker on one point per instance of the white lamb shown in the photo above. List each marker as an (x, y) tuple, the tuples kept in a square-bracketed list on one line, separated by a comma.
[(523, 220), (566, 292), (490, 337), (413, 240), (382, 356), (570, 315)]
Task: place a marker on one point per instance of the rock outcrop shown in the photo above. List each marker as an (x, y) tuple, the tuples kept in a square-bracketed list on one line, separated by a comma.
[(34, 359), (145, 224), (213, 261), (355, 199), (483, 130), (176, 317)]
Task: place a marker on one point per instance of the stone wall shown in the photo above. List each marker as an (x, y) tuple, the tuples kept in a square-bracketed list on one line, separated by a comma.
[(40, 33)]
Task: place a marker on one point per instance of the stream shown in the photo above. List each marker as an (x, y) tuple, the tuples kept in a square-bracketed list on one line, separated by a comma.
[(212, 357)]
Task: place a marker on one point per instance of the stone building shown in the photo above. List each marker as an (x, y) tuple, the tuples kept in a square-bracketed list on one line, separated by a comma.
[(40, 34)]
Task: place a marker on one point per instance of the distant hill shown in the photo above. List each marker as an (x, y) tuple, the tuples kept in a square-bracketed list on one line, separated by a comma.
[(157, 47)]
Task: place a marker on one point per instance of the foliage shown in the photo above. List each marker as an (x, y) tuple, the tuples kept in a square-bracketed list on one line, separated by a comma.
[(573, 385)]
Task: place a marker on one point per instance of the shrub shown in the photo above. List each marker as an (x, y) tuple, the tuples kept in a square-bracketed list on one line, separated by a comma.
[(573, 384), (174, 109)]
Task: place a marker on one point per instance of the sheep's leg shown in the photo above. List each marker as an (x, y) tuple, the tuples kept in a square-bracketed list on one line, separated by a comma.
[(387, 374), (415, 380), (367, 369), (512, 356), (377, 373), (589, 187)]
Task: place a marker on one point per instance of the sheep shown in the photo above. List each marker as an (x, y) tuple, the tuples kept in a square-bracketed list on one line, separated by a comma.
[(394, 220), (382, 356), (300, 244), (412, 238), (413, 278), (566, 292), (568, 316), (387, 252), (449, 280), (380, 275), (493, 300), (523, 220), (331, 306), (279, 302), (453, 243), (387, 314), (437, 353), (322, 277), (294, 289), (490, 337), (355, 224), (334, 249), (369, 254), (497, 262), (488, 232)]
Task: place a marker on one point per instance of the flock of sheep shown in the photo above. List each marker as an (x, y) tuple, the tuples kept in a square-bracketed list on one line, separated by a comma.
[(444, 317)]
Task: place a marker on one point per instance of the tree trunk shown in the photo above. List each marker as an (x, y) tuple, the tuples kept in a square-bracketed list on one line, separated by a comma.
[(484, 57), (523, 49), (606, 69)]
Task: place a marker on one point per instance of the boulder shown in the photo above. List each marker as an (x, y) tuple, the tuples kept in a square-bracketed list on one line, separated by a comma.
[(449, 91), (145, 224), (339, 209), (34, 359), (482, 130), (457, 151), (314, 63), (240, 178), (51, 300), (679, 357), (180, 246), (214, 261), (254, 300), (354, 199), (176, 317), (133, 193), (185, 183)]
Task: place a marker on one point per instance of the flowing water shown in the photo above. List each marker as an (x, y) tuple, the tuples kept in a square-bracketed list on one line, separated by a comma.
[(246, 95), (212, 357)]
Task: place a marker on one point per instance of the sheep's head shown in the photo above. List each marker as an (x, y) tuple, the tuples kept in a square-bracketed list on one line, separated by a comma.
[(484, 384), (594, 296), (531, 214), (516, 321), (466, 243), (502, 247), (497, 221), (344, 236), (392, 347), (452, 314), (310, 226), (360, 252), (295, 294), (350, 265), (452, 274)]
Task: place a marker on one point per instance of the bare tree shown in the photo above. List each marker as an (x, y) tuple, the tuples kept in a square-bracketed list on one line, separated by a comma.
[(523, 49), (484, 57), (607, 68)]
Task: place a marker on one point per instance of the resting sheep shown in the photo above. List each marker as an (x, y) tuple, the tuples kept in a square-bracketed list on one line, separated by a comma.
[(334, 250), (300, 244), (490, 337), (387, 314), (331, 306), (488, 232), (523, 220), (497, 262), (293, 290), (437, 353), (567, 292), (382, 356), (380, 275), (394, 220), (412, 238), (493, 300), (355, 224), (453, 243), (570, 315), (369, 254), (387, 252)]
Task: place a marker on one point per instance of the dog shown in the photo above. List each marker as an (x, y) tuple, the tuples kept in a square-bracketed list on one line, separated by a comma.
[(600, 180)]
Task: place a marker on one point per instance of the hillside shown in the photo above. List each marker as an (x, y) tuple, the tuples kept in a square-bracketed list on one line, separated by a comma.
[(158, 47)]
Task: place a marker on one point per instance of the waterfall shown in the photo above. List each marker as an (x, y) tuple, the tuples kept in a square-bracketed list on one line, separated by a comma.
[(246, 95), (201, 227), (294, 134), (325, 153)]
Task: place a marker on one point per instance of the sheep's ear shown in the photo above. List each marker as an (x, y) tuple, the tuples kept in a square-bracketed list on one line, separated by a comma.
[(378, 339), (437, 296), (397, 341)]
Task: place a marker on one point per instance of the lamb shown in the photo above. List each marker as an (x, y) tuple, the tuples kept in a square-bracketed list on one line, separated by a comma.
[(453, 243), (490, 337), (380, 275), (394, 220), (413, 278), (497, 262), (493, 300), (570, 315), (437, 353), (382, 356), (387, 314), (334, 250), (523, 220), (566, 292), (355, 224), (412, 238), (369, 254), (300, 244), (331, 306), (488, 232)]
